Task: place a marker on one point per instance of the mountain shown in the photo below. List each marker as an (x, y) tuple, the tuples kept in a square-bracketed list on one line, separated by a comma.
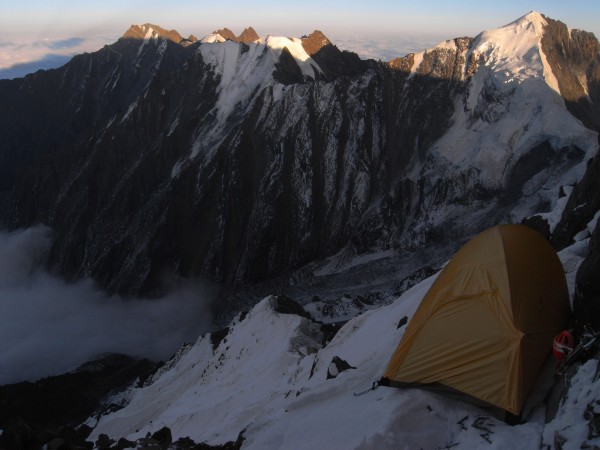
[(247, 35), (245, 162), (288, 165), (150, 31)]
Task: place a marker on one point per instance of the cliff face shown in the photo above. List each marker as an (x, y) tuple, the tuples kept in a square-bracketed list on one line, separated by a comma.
[(239, 162)]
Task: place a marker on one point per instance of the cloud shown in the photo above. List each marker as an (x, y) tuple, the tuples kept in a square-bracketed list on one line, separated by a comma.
[(18, 57), (65, 43), (48, 326), (384, 47)]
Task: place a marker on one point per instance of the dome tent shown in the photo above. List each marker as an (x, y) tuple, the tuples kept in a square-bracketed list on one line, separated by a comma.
[(487, 323)]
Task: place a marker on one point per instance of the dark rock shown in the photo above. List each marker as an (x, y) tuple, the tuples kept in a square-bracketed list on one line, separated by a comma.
[(285, 305), (104, 442), (583, 203), (402, 322), (538, 224), (217, 336), (329, 331), (148, 443), (124, 443), (586, 302), (163, 436), (337, 366), (184, 443), (559, 441), (594, 427)]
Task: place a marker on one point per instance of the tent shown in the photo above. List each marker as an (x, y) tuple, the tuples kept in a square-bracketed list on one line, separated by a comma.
[(486, 325)]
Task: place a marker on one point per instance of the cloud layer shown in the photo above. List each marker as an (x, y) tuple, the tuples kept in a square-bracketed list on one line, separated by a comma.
[(18, 57), (48, 326)]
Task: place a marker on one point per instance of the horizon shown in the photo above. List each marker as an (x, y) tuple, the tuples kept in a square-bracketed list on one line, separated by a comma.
[(380, 30)]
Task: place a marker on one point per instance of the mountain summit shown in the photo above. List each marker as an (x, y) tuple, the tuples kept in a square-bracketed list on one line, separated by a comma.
[(246, 36), (150, 31)]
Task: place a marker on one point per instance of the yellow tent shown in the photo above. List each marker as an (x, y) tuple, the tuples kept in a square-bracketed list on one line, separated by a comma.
[(487, 323)]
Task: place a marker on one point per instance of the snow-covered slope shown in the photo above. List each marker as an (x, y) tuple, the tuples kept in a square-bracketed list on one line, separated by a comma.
[(512, 116), (271, 379)]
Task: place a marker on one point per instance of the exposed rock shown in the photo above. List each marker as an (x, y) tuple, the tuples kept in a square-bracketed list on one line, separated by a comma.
[(586, 302), (581, 207), (314, 42), (337, 366), (402, 322), (104, 442), (574, 56), (538, 224), (217, 336), (164, 437), (226, 33), (149, 30), (124, 443), (248, 35), (285, 305)]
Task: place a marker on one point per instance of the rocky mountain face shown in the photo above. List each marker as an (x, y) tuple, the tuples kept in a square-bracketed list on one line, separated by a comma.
[(240, 162), (150, 31)]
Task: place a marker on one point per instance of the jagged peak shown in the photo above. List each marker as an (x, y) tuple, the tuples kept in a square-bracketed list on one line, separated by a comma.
[(150, 31), (248, 35), (225, 33), (314, 42)]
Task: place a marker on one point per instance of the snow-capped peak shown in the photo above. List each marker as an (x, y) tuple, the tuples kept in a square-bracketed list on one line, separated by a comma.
[(212, 38), (515, 50)]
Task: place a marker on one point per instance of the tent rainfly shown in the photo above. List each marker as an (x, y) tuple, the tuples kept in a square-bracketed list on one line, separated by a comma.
[(486, 325)]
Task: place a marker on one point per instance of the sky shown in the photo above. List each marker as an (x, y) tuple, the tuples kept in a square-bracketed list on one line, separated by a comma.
[(44, 33)]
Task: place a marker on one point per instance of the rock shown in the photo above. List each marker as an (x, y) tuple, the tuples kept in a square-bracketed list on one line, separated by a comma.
[(337, 366), (124, 443), (402, 322), (163, 436), (285, 305), (104, 442), (148, 443)]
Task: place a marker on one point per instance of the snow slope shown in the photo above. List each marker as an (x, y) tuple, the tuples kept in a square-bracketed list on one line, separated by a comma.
[(512, 86), (245, 71), (268, 377)]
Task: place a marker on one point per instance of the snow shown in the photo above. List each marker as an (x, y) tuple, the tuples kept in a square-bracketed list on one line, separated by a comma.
[(584, 392), (339, 262), (501, 121), (307, 65), (269, 378), (554, 216), (212, 38)]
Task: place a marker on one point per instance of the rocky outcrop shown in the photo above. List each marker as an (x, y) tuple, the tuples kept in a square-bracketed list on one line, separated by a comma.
[(248, 35), (149, 30), (574, 56), (226, 33)]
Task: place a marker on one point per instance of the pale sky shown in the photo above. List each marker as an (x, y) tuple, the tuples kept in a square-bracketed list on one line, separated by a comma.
[(37, 29)]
